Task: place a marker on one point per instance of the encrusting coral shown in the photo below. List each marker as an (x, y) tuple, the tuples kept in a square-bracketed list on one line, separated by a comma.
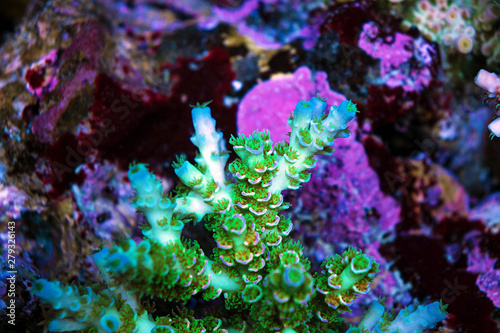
[(261, 273)]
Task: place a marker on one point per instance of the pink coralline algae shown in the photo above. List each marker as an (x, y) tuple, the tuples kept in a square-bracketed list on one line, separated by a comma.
[(41, 76), (488, 279), (103, 200), (12, 200), (271, 24), (262, 21), (270, 102), (489, 212), (404, 61), (90, 33)]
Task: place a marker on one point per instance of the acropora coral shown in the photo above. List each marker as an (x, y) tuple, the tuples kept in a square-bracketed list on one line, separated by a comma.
[(263, 276), (87, 87)]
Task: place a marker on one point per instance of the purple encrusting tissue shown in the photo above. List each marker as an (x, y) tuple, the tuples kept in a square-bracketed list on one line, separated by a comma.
[(41, 76), (103, 200), (404, 61), (273, 34), (270, 24), (488, 279), (12, 202)]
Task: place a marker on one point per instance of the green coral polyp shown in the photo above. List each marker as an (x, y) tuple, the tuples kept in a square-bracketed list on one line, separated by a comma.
[(254, 146), (361, 264), (310, 162), (237, 142), (346, 277), (252, 293), (243, 257), (305, 137), (291, 155), (273, 239), (289, 257), (235, 224), (293, 276), (285, 226), (281, 148)]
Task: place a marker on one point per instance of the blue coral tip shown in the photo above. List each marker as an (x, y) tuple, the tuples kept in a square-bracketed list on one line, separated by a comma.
[(348, 108), (201, 113), (346, 111), (119, 262), (303, 109), (318, 106), (47, 290), (138, 173), (55, 326), (435, 313)]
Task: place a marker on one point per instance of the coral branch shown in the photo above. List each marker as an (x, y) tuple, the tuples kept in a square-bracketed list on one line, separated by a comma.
[(263, 276)]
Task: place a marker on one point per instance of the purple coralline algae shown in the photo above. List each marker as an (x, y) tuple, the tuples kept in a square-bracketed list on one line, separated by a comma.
[(41, 76), (12, 201), (488, 211), (404, 61), (147, 16), (274, 23), (103, 201), (488, 279), (271, 24), (44, 124), (270, 102)]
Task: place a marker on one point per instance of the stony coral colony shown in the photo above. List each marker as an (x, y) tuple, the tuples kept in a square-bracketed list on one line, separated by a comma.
[(344, 172)]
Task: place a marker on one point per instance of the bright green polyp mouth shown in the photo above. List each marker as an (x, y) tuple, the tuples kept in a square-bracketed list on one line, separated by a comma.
[(293, 277)]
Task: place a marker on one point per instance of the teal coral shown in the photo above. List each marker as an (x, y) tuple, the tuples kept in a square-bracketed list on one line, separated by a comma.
[(255, 266), (411, 319)]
